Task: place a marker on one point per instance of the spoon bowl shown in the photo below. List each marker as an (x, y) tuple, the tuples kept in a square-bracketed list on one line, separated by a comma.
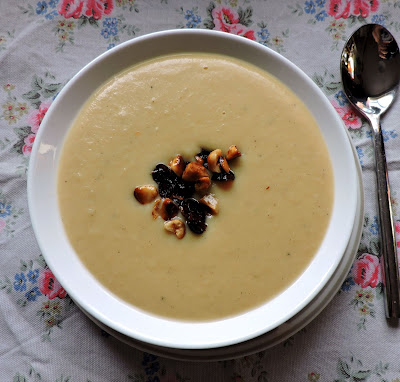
[(370, 69)]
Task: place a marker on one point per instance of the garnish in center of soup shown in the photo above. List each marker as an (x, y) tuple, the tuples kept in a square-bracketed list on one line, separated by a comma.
[(165, 130), (179, 181)]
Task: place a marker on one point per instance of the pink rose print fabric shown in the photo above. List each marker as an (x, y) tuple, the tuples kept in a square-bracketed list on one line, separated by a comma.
[(35, 118), (227, 20), (345, 8), (88, 8), (27, 147), (349, 116), (224, 18), (49, 286), (367, 271)]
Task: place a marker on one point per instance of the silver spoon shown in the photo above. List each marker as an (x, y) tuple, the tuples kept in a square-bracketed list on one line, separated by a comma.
[(370, 68)]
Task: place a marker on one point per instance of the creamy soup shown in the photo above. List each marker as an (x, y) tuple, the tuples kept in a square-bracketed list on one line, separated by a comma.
[(272, 218)]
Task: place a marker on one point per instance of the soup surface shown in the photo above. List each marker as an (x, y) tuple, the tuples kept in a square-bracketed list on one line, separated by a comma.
[(271, 221)]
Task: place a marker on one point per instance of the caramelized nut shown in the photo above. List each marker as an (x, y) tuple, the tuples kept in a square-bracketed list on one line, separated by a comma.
[(145, 194), (168, 209), (211, 202), (199, 159), (213, 160), (194, 171), (224, 164), (202, 156), (203, 184), (233, 152), (177, 165), (175, 226), (156, 209)]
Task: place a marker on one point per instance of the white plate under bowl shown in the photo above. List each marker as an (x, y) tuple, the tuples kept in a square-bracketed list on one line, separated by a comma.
[(115, 313)]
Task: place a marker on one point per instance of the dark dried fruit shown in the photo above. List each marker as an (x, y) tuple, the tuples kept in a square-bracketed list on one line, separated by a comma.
[(223, 176), (169, 184), (178, 200), (162, 175), (195, 215), (203, 155), (183, 189)]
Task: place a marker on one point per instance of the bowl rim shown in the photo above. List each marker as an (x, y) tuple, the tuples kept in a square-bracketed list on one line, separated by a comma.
[(168, 332)]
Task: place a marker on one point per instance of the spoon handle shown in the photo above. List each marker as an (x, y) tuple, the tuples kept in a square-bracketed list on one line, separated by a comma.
[(390, 265)]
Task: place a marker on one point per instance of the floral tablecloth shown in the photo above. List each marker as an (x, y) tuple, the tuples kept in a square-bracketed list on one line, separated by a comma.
[(43, 335)]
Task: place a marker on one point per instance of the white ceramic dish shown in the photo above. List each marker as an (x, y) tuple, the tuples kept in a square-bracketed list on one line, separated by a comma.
[(282, 332), (101, 303)]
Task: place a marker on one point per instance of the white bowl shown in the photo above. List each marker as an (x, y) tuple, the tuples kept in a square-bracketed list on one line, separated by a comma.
[(100, 303)]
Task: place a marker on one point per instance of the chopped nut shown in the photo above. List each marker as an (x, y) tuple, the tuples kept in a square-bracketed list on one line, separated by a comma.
[(175, 226), (216, 161), (168, 209), (145, 194), (203, 184), (156, 209), (211, 202), (213, 160), (224, 164), (199, 159), (233, 152), (194, 171), (177, 165)]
